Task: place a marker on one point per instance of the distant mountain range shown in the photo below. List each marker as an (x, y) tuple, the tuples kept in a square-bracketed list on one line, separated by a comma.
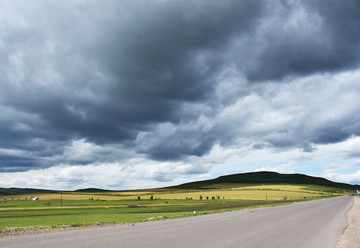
[(250, 178)]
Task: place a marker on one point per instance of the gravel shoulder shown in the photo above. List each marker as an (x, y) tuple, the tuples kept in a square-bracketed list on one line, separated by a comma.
[(11, 232), (351, 236)]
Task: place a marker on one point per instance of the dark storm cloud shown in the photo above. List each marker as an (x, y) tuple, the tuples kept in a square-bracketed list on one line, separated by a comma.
[(18, 163), (336, 130), (169, 53), (307, 37), (173, 143), (105, 72), (150, 76)]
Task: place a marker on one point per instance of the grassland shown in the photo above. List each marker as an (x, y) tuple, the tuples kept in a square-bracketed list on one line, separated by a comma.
[(66, 209)]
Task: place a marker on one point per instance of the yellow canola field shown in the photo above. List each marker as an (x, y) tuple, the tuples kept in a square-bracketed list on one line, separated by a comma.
[(273, 187), (265, 192), (238, 194), (297, 188)]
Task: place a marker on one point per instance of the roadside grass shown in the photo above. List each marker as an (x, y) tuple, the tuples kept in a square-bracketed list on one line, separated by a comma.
[(82, 209)]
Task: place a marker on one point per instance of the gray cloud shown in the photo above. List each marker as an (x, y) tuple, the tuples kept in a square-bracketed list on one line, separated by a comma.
[(306, 37), (170, 79)]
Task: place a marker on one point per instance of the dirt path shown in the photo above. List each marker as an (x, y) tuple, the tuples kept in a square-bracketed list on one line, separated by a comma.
[(351, 237)]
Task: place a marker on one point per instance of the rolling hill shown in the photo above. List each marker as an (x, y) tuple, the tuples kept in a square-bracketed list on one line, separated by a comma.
[(251, 178), (266, 177), (19, 191)]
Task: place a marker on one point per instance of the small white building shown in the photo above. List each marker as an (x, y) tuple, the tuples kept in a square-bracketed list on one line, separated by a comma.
[(34, 198)]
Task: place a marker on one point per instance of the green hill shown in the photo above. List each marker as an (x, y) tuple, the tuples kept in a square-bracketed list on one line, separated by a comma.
[(265, 177)]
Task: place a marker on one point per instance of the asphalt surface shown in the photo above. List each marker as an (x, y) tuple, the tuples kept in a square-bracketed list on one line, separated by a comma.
[(312, 224)]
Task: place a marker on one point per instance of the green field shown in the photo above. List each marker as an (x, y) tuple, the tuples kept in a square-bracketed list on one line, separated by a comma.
[(110, 212), (66, 209)]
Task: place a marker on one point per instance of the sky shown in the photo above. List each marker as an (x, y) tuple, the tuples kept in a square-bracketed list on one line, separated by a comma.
[(150, 93)]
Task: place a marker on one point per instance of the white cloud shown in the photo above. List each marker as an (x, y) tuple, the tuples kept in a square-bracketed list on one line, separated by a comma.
[(132, 174), (67, 177), (334, 167), (144, 173), (284, 168), (352, 178), (80, 150), (203, 176), (356, 163), (346, 149)]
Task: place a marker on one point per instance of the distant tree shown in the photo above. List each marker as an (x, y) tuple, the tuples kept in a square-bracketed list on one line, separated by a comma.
[(200, 197), (138, 198), (151, 197)]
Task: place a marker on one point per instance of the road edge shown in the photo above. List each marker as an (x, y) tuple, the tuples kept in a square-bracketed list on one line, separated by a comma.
[(351, 235)]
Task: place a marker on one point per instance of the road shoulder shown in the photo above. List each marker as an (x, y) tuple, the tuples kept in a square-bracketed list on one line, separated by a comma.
[(351, 236)]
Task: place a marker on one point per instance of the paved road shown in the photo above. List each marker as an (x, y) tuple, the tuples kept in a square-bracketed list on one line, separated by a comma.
[(312, 224)]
